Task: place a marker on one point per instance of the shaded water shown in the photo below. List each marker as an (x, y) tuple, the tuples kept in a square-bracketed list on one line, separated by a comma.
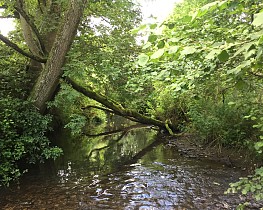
[(132, 172)]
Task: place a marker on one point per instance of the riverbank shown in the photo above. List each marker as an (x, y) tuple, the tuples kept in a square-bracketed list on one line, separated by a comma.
[(189, 146)]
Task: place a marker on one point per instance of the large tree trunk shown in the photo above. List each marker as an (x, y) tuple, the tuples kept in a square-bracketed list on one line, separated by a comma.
[(48, 79), (120, 110)]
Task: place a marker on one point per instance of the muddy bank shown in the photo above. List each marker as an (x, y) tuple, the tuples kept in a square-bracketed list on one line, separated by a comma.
[(189, 146)]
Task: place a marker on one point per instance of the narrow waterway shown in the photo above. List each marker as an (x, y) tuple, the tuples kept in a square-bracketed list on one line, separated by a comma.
[(134, 169)]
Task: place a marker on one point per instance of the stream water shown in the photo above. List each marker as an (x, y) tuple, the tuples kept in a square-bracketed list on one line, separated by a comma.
[(127, 170)]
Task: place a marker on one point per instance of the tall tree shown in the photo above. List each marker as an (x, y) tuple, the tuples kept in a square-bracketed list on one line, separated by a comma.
[(48, 39)]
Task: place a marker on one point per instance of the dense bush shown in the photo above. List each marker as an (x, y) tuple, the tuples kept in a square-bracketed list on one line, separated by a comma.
[(221, 123), (22, 138)]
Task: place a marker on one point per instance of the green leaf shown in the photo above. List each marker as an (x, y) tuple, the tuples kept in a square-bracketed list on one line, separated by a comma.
[(174, 40), (153, 26), (140, 28), (258, 145), (253, 118), (241, 84), (152, 38), (187, 19), (157, 54), (212, 54), (173, 49), (258, 20), (209, 5), (188, 50), (249, 54), (161, 44), (223, 56), (245, 48), (170, 25), (148, 44), (143, 59)]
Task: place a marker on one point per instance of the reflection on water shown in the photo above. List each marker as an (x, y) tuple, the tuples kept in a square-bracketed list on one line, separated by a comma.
[(113, 173)]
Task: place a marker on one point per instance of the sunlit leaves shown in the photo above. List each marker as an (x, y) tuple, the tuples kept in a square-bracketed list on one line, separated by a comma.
[(140, 28), (212, 54), (258, 20), (209, 8), (188, 50), (173, 49), (143, 59), (157, 54), (259, 146)]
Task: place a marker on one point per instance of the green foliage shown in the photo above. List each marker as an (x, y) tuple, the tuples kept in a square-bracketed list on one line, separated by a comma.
[(249, 185), (22, 138), (71, 110), (76, 124), (13, 75), (204, 64), (105, 63), (221, 123), (207, 56)]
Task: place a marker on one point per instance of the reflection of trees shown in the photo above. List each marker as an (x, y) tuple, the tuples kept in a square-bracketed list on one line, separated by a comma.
[(103, 152), (111, 142), (158, 140), (124, 130), (111, 151)]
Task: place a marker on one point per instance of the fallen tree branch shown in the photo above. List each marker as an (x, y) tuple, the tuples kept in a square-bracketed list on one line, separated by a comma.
[(110, 111), (98, 107), (118, 108)]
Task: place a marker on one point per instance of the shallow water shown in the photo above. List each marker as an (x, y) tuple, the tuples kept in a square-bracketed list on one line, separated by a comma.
[(132, 172)]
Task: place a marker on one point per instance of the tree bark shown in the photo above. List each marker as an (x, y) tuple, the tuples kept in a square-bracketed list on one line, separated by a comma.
[(120, 110), (48, 79)]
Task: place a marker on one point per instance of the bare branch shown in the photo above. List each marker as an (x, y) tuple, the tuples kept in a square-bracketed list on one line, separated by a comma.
[(19, 50)]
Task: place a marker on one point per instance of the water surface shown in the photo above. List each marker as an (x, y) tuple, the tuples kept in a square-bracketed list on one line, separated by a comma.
[(128, 170)]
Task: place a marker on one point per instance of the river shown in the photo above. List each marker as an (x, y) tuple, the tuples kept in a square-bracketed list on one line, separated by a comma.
[(135, 169)]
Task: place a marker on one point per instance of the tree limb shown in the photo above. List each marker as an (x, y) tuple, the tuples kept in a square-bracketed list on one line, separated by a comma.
[(99, 107), (30, 22), (118, 109), (110, 111), (19, 50)]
